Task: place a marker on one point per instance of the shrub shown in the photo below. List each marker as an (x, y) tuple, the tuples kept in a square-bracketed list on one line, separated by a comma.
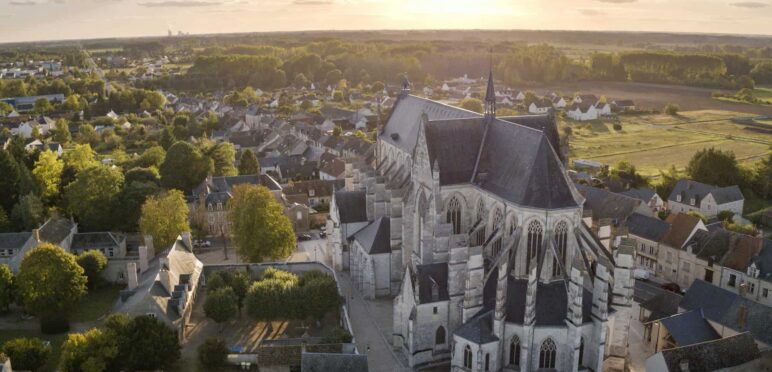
[(93, 263), (671, 109), (698, 215), (220, 305), (337, 335), (27, 353), (213, 353), (617, 126), (282, 295), (725, 216)]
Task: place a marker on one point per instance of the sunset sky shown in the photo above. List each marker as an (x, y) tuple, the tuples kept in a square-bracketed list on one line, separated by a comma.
[(26, 20)]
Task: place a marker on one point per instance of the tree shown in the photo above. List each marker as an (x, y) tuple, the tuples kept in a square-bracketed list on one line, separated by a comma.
[(92, 197), (714, 167), (260, 228), (48, 173), (50, 281), (164, 217), (9, 182), (220, 304), (725, 216), (248, 163), (80, 157), (5, 221), (42, 106), (90, 351), (146, 343), (667, 181), (237, 280), (7, 287), (5, 109), (223, 156), (762, 72), (213, 353), (626, 172), (29, 213), (167, 137), (152, 157), (61, 132), (184, 167), (319, 293), (671, 109), (762, 181), (93, 262), (87, 134), (377, 87), (472, 104), (72, 103), (27, 353)]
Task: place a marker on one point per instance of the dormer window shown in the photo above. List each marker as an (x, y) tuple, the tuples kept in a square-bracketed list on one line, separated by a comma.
[(753, 271), (692, 201), (219, 206), (678, 197), (209, 206)]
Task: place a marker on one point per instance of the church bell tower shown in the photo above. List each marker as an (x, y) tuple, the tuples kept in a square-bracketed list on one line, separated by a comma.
[(490, 98)]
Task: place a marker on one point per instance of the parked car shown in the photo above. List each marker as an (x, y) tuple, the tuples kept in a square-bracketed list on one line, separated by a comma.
[(202, 243), (304, 237), (322, 234), (672, 287)]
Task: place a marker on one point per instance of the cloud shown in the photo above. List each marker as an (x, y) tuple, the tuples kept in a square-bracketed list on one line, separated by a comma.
[(312, 2), (22, 2), (179, 4), (750, 4), (592, 12), (617, 1)]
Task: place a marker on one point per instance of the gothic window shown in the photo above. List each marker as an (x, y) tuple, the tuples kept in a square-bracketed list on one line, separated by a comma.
[(497, 217), (454, 215), (547, 354), (561, 241), (581, 351), (496, 247), (514, 352), (512, 226), (467, 356), (480, 210), (534, 242), (439, 337)]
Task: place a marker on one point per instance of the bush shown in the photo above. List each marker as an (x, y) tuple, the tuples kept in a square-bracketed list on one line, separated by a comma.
[(220, 304), (282, 295), (617, 126), (93, 263), (27, 353), (725, 216), (698, 215), (213, 353), (671, 109), (337, 335)]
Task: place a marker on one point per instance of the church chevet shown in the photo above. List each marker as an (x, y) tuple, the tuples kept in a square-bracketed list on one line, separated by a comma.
[(471, 224)]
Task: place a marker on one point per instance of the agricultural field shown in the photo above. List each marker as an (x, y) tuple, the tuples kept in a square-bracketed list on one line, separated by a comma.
[(654, 142)]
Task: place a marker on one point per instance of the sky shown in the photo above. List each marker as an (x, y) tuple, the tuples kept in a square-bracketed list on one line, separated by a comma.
[(30, 20)]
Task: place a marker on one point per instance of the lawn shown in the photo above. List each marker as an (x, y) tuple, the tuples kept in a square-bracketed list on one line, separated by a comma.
[(654, 142), (55, 340), (96, 303), (763, 94)]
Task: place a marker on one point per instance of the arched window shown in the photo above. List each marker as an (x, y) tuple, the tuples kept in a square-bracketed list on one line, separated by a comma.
[(496, 247), (547, 354), (480, 210), (497, 217), (487, 362), (512, 226), (534, 242), (514, 351), (467, 356), (581, 351), (453, 216), (561, 240), (439, 336)]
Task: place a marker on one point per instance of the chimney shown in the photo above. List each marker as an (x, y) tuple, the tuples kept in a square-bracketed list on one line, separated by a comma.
[(164, 275), (131, 270), (142, 258), (36, 234), (149, 244), (742, 313), (187, 240)]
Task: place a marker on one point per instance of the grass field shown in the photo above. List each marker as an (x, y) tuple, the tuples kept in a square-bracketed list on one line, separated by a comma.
[(55, 340), (654, 142), (95, 304)]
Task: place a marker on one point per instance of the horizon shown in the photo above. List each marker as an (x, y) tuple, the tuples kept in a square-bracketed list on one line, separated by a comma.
[(27, 21)]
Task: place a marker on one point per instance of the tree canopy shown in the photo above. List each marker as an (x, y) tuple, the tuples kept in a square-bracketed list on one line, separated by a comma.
[(48, 173), (714, 167), (93, 195), (164, 217), (184, 167), (248, 163), (259, 227)]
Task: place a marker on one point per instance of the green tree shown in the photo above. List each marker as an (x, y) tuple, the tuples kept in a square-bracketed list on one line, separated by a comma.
[(5, 221), (221, 304), (213, 353), (5, 109), (93, 262), (7, 287), (184, 167), (471, 104), (9, 182), (61, 132), (80, 157), (50, 282), (146, 343), (762, 72), (90, 351), (671, 109), (87, 134), (48, 173), (72, 103), (714, 167), (167, 137), (27, 353), (29, 213), (42, 106), (667, 181), (762, 180), (248, 163), (152, 157), (164, 217), (92, 197), (223, 156), (259, 227), (237, 280)]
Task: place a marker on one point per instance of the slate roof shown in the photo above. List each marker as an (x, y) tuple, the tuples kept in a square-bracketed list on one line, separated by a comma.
[(352, 206), (729, 309), (643, 193), (479, 329), (689, 328), (692, 189), (651, 228), (551, 301), (607, 205), (14, 240), (323, 362), (56, 229), (426, 276), (713, 355), (375, 238), (95, 240), (226, 184), (763, 260), (710, 245), (742, 249), (661, 305)]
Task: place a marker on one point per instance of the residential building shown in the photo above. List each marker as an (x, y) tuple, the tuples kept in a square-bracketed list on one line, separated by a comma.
[(733, 353), (648, 196), (708, 200), (582, 111)]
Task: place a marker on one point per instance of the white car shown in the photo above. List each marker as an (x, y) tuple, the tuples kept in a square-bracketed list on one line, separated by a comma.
[(641, 273)]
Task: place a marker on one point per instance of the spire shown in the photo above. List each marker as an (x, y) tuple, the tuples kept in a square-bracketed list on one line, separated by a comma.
[(405, 85), (490, 93)]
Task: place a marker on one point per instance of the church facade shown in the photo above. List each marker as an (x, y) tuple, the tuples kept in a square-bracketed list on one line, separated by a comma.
[(492, 266)]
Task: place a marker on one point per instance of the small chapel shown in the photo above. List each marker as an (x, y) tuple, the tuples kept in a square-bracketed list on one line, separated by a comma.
[(470, 222)]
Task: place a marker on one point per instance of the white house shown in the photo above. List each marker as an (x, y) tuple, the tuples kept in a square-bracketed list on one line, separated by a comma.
[(559, 102), (603, 108), (590, 99), (623, 105), (540, 107), (708, 200), (582, 112)]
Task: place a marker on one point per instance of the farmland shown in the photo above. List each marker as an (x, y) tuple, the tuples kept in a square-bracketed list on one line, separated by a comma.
[(654, 142)]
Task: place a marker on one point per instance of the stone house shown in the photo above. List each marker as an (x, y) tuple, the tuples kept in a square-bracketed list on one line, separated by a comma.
[(730, 354), (708, 200), (318, 192), (648, 196), (682, 229)]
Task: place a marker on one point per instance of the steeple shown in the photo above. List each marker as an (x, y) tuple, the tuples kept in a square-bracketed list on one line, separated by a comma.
[(490, 95), (405, 85)]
